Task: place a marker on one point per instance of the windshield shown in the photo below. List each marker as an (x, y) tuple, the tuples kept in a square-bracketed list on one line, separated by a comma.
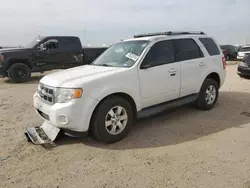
[(245, 49), (123, 54), (33, 43)]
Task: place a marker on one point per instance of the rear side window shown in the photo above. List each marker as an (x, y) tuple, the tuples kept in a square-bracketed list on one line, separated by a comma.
[(70, 43), (187, 49), (210, 45)]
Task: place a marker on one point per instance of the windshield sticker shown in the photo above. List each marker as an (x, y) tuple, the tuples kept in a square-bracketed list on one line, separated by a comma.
[(132, 56)]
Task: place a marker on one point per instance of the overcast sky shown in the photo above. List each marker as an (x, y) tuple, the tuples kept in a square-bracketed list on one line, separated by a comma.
[(107, 21)]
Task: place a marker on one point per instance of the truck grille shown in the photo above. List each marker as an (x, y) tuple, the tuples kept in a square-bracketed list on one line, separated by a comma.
[(46, 93)]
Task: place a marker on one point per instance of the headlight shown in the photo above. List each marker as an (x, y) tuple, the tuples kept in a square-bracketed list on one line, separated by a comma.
[(242, 64), (64, 95)]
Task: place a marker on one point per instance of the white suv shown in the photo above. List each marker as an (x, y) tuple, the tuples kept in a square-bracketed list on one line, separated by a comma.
[(133, 78)]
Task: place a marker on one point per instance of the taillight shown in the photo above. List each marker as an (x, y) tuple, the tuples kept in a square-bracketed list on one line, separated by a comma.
[(224, 62), (1, 57)]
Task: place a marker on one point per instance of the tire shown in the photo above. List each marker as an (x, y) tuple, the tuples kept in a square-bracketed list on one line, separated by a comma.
[(204, 101), (227, 58), (104, 123), (19, 72)]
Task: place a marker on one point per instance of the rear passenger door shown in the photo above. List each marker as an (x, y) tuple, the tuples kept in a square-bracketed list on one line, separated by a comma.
[(71, 52), (190, 56)]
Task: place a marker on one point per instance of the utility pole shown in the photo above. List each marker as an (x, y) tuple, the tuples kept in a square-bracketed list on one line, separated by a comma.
[(84, 36)]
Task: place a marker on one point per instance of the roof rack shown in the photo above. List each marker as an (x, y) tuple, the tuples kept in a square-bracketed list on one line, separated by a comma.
[(170, 33)]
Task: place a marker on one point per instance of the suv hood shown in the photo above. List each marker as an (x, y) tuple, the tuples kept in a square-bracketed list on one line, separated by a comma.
[(75, 77)]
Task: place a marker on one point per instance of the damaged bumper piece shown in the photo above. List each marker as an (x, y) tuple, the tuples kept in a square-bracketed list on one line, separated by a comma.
[(44, 134)]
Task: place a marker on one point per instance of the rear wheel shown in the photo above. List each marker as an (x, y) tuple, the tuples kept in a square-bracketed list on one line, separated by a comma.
[(112, 120), (208, 95), (19, 72)]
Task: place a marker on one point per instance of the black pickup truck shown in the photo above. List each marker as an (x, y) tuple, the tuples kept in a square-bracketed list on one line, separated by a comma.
[(43, 54)]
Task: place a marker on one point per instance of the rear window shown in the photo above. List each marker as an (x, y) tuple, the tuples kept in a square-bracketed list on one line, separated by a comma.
[(210, 45), (245, 49)]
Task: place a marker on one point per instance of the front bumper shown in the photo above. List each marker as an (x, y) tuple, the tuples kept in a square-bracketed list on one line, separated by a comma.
[(74, 115), (244, 71), (44, 134)]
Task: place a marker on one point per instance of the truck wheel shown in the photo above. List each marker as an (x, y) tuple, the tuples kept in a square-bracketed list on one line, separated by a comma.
[(208, 95), (227, 58), (112, 120), (19, 72)]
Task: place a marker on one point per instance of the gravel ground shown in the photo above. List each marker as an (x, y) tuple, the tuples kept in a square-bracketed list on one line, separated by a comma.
[(183, 147)]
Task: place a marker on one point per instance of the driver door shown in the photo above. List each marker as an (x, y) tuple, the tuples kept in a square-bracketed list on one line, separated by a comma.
[(48, 56), (159, 75)]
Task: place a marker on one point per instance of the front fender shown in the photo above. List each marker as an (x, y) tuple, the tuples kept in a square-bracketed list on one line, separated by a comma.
[(11, 61), (101, 93)]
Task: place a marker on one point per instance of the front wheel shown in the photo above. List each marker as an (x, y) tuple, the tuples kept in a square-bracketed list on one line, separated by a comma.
[(208, 95), (112, 120), (19, 72)]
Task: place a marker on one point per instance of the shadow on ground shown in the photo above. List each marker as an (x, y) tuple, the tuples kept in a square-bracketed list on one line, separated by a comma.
[(179, 125), (33, 80)]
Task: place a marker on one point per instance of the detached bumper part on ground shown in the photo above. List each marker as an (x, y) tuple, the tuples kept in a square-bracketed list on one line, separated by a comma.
[(44, 134)]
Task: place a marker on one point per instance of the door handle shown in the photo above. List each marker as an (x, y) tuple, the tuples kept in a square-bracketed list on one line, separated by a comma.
[(172, 71), (201, 64)]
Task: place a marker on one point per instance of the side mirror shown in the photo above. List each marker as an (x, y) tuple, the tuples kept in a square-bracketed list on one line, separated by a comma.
[(146, 65), (41, 47)]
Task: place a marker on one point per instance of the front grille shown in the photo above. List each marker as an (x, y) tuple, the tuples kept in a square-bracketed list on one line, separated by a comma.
[(46, 93)]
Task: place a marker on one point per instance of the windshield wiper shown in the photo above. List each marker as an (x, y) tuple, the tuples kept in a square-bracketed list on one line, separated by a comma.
[(104, 64)]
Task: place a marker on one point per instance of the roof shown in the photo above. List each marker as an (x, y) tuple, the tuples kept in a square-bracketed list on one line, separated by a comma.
[(57, 36), (167, 35), (158, 37)]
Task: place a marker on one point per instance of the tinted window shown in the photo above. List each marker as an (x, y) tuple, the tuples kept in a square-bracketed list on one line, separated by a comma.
[(71, 43), (187, 49), (160, 53), (245, 49), (211, 47)]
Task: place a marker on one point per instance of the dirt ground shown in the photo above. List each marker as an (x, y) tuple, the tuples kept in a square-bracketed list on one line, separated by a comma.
[(180, 148)]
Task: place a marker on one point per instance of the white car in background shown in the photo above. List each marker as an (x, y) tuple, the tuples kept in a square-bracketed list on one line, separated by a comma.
[(245, 50)]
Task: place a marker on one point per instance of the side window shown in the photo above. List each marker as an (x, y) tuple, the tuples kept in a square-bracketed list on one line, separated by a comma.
[(70, 43), (51, 45), (187, 49), (210, 46), (160, 53)]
